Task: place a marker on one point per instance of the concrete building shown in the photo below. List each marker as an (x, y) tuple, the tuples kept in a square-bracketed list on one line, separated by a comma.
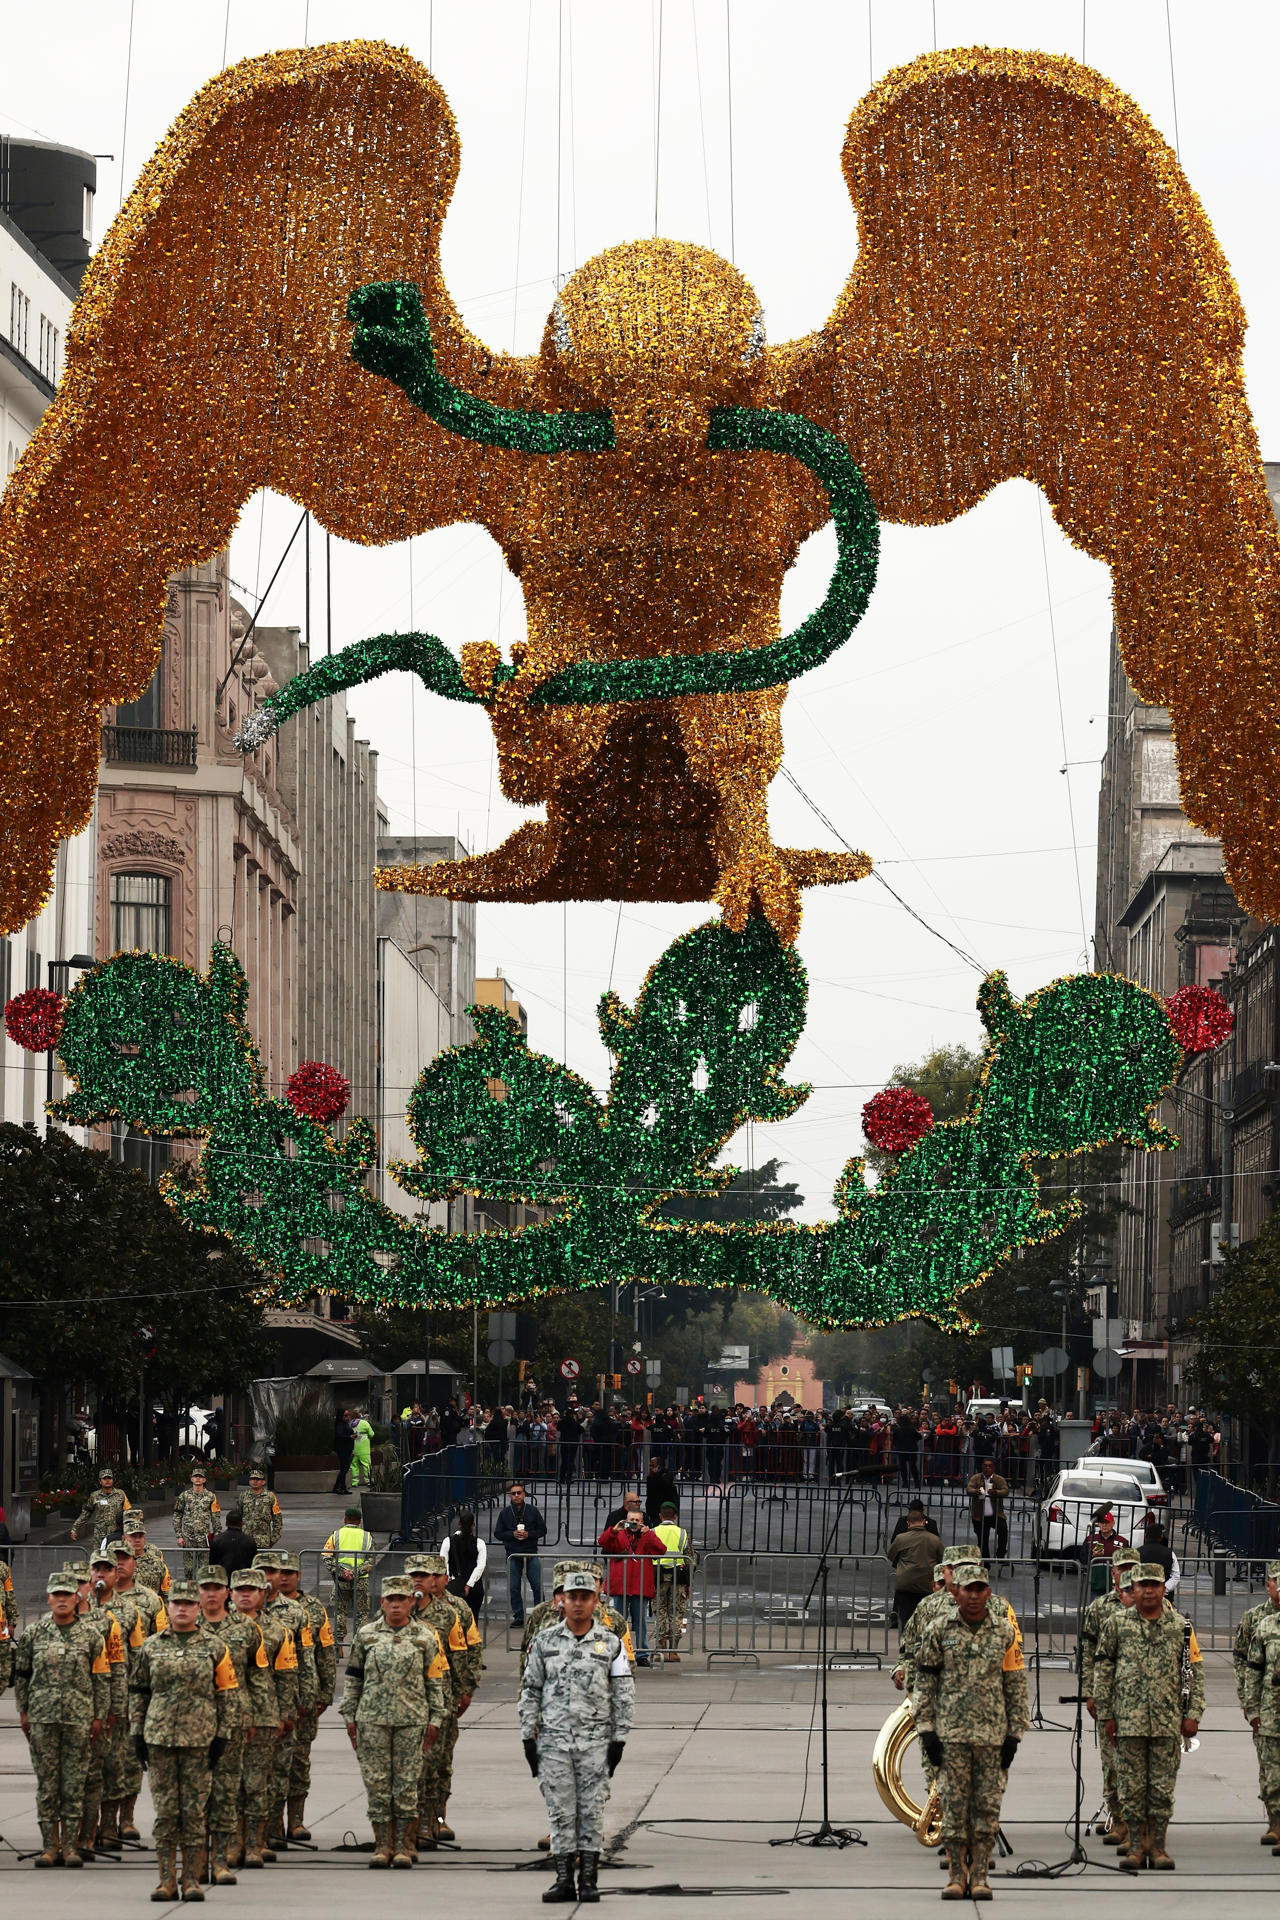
[(46, 227)]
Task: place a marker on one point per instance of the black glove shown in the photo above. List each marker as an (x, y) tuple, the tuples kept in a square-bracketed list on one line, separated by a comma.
[(613, 1753), (1008, 1752), (217, 1747), (932, 1748), (531, 1755), (140, 1748)]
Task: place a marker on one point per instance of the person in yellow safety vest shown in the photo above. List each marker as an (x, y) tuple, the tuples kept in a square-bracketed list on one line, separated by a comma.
[(349, 1555), (675, 1573)]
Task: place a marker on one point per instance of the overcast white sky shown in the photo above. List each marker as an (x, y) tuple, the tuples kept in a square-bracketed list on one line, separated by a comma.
[(934, 738)]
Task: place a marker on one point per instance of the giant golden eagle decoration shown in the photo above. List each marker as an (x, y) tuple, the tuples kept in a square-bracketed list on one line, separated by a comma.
[(1037, 293)]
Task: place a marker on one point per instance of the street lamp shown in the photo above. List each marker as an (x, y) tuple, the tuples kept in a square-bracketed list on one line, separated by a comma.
[(81, 962)]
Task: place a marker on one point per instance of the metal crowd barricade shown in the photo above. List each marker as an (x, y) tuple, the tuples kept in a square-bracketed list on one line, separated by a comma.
[(1234, 1517)]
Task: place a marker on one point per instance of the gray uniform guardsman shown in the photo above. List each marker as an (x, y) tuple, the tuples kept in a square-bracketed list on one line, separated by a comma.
[(576, 1705)]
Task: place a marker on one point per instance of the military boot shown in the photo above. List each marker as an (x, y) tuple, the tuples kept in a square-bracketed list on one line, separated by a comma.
[(71, 1854), (52, 1847), (588, 1891), (957, 1882), (252, 1853), (381, 1855), (563, 1889), (1158, 1855), (428, 1832), (167, 1861), (410, 1837), (276, 1836), (194, 1861), (400, 1853), (222, 1873), (443, 1830), (125, 1826), (979, 1861), (108, 1840), (84, 1839), (266, 1847), (1136, 1857), (298, 1829), (1117, 1834), (1271, 1838), (235, 1849)]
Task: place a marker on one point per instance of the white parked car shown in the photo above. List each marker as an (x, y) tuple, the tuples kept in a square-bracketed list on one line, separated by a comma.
[(1147, 1476), (1065, 1518)]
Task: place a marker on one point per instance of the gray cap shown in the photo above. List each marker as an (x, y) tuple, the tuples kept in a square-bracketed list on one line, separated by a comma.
[(579, 1581)]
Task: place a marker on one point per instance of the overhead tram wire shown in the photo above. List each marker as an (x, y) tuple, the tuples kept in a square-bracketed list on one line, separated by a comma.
[(831, 827)]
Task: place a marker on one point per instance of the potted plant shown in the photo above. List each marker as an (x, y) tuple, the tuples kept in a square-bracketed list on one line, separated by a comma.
[(304, 1458), (380, 1500)]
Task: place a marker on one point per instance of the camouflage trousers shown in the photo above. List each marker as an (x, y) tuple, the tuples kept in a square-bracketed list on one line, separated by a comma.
[(575, 1786), (436, 1783), (391, 1767), (673, 1602), (300, 1763), (119, 1762), (1268, 1750), (350, 1596), (180, 1782), (282, 1766), (61, 1756), (971, 1786), (258, 1773), (1110, 1782), (1146, 1774), (224, 1790), (94, 1785), (193, 1558)]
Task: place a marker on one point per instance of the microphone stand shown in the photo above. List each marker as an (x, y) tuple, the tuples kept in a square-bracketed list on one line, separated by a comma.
[(824, 1834)]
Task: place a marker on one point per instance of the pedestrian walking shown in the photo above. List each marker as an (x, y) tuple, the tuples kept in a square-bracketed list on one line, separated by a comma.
[(361, 1452), (577, 1700), (521, 1529), (231, 1548), (970, 1707), (394, 1705), (988, 1491), (1262, 1703), (349, 1556), (63, 1686), (179, 1721), (260, 1514), (913, 1554), (344, 1441), (1149, 1693), (150, 1569), (195, 1521), (674, 1579), (466, 1558)]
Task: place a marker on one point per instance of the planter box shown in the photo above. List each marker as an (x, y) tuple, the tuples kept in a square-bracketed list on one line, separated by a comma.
[(155, 1493), (38, 1518), (306, 1480), (307, 1463), (381, 1512)]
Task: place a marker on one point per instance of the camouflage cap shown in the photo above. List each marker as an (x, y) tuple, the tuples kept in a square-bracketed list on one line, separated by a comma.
[(596, 1567), (108, 1473), (199, 1473), (249, 1577), (102, 1557), (953, 1556), (1273, 1569), (1125, 1557), (1125, 1581), (257, 1471), (1149, 1570), (562, 1567), (397, 1586), (579, 1581), (78, 1569), (64, 1582), (290, 1563), (212, 1577), (182, 1590), (269, 1560), (972, 1573), (426, 1563), (121, 1550), (134, 1524)]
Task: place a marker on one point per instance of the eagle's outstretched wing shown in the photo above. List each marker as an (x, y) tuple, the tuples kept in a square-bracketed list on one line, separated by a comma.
[(208, 357), (1038, 292)]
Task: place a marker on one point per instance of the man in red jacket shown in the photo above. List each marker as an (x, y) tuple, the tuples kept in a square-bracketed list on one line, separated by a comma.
[(634, 1551)]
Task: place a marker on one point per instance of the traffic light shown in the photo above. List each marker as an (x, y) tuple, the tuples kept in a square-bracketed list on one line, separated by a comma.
[(615, 1380)]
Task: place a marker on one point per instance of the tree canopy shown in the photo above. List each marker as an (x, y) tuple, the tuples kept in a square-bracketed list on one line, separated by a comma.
[(1236, 1365)]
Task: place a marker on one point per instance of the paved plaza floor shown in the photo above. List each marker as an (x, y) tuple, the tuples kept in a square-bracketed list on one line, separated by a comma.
[(719, 1764)]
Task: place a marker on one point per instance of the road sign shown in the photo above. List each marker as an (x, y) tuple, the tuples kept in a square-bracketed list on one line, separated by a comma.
[(1053, 1361), (570, 1370), (1107, 1363), (653, 1371), (502, 1326), (635, 1365), (501, 1353), (1002, 1362)]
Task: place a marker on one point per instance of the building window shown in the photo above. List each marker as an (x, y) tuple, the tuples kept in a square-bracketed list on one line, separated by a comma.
[(35, 969), (49, 344), (6, 971), (140, 912), (139, 1150), (145, 710), (19, 319), (86, 217)]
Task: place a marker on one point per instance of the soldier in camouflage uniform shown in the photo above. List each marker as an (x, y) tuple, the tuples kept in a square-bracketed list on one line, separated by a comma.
[(241, 1639), (577, 1700), (6, 1653), (179, 1717), (99, 1829), (260, 1512), (294, 1616), (149, 1565), (1145, 1709), (103, 1514), (970, 1706), (394, 1706), (272, 1709), (146, 1615), (1262, 1703), (454, 1625), (195, 1520), (1123, 1561), (548, 1613), (8, 1604), (63, 1686), (325, 1656)]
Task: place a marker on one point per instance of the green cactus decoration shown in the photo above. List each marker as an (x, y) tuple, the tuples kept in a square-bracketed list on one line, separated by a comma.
[(1081, 1062)]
